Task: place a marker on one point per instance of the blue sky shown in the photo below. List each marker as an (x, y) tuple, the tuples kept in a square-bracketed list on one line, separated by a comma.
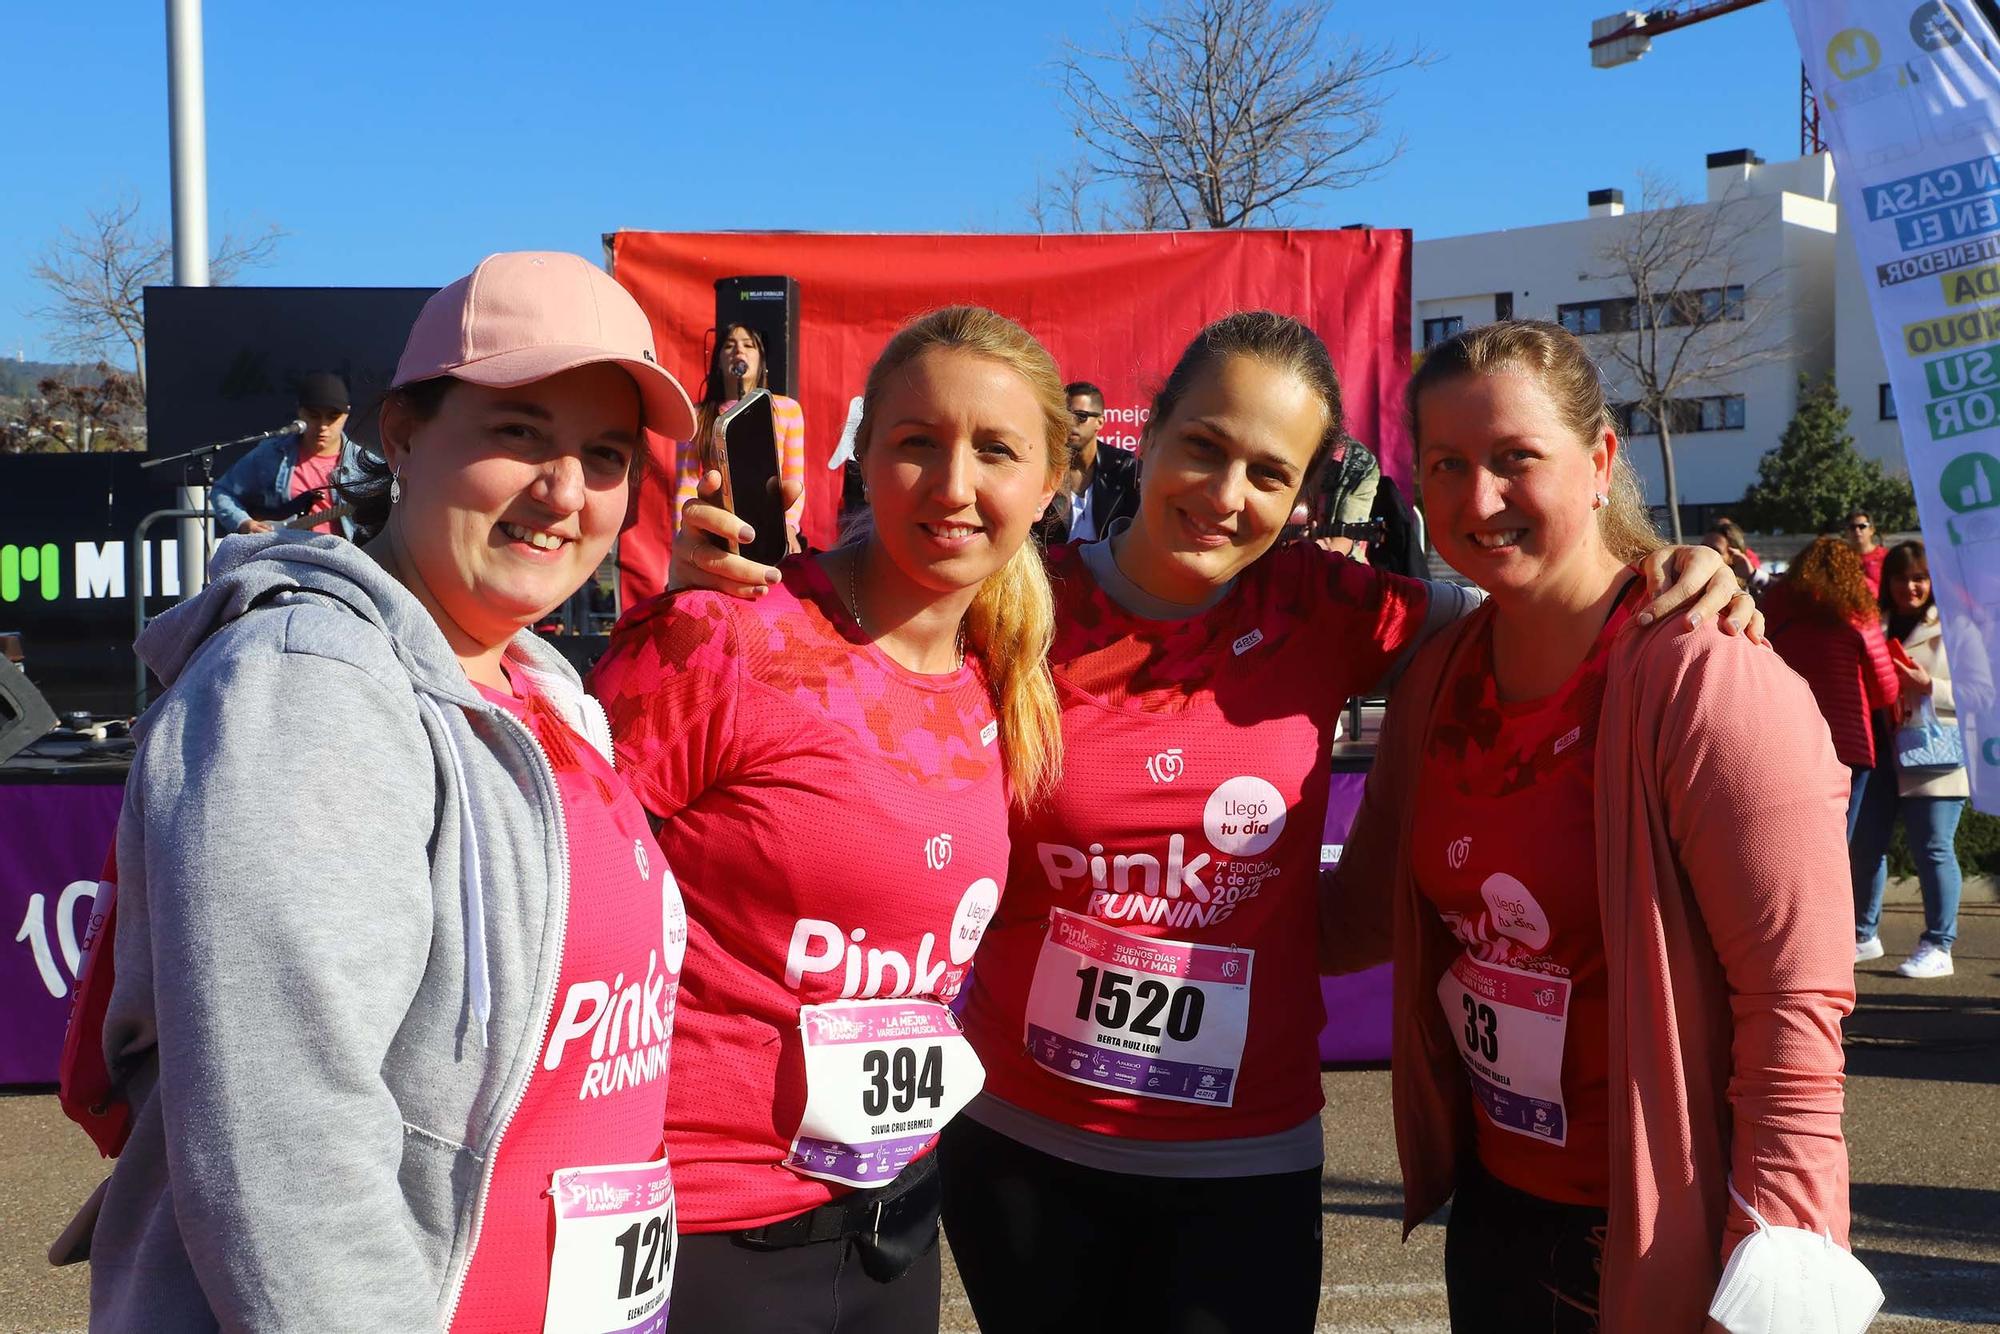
[(398, 143)]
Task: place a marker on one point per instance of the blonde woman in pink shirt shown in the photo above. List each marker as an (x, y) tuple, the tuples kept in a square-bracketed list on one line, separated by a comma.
[(1618, 904)]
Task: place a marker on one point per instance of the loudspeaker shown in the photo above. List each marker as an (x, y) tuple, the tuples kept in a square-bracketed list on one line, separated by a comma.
[(768, 304), (24, 715)]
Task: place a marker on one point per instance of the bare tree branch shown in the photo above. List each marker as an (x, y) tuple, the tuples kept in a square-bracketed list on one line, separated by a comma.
[(1700, 308), (1217, 112), (96, 276)]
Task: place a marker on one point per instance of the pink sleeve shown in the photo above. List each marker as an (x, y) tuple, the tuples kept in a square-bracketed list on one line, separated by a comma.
[(669, 684), (1371, 616), (1880, 673), (791, 420), (1756, 811)]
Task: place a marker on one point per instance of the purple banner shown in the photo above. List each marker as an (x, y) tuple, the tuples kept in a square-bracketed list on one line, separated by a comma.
[(1357, 1005), (52, 844)]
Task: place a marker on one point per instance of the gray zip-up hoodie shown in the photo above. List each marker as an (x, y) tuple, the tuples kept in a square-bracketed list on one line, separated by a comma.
[(343, 891)]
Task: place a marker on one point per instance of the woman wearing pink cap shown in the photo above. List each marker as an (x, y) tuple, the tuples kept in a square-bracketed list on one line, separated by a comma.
[(398, 960)]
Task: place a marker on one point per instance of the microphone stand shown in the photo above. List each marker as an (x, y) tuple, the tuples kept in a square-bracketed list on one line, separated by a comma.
[(204, 457)]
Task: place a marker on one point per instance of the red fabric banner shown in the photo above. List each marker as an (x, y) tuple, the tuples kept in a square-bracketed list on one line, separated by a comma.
[(1113, 308)]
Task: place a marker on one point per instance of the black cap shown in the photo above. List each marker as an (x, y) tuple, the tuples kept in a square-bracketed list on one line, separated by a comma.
[(325, 390)]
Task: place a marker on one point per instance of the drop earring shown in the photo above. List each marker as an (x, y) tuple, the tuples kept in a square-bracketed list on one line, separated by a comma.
[(395, 486)]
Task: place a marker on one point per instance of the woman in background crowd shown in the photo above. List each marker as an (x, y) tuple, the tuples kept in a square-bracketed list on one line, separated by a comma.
[(738, 366), (1826, 626), (379, 887), (830, 768), (1929, 800), (1146, 1002), (1616, 1010)]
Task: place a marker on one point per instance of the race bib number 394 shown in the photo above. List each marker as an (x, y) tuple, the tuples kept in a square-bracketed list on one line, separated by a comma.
[(613, 1264), (882, 1079), (1138, 1015)]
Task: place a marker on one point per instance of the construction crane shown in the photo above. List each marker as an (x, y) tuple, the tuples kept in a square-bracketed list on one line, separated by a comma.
[(1619, 39)]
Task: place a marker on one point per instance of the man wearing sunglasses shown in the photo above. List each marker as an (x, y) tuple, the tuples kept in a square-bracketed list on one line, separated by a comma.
[(1103, 480), (1861, 536)]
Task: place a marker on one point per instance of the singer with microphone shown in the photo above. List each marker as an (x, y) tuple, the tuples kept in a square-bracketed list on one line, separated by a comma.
[(737, 367), (292, 474)]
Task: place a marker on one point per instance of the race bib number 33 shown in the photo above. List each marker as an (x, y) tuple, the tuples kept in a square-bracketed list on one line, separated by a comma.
[(1511, 1024), (1156, 1018), (613, 1263)]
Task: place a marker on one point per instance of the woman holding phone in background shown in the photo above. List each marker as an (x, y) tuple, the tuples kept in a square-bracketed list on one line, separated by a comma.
[(738, 366), (1165, 1126), (830, 768)]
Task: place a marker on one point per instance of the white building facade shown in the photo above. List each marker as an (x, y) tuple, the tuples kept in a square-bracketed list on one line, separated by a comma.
[(1790, 272)]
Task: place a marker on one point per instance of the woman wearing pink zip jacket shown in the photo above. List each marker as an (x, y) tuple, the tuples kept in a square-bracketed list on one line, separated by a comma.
[(1615, 871)]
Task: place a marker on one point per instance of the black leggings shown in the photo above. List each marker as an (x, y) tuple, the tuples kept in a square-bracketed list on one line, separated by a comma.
[(1515, 1263), (724, 1287), (1046, 1246)]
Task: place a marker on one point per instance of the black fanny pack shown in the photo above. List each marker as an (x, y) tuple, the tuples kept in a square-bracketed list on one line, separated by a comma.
[(890, 1227)]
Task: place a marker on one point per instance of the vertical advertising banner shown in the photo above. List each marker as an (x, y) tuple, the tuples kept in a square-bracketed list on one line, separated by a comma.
[(1910, 104)]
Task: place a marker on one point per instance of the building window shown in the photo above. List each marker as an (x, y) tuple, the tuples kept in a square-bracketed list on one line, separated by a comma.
[(1588, 317), (1436, 331), (1697, 306), (1718, 412), (1885, 403)]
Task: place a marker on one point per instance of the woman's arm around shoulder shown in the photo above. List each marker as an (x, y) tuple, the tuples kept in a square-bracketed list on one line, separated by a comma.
[(1357, 897)]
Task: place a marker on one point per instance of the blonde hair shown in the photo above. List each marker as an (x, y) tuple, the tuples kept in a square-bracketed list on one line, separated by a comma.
[(1556, 359), (1012, 620)]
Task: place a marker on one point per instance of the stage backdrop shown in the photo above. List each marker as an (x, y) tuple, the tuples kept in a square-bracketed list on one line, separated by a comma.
[(1114, 308)]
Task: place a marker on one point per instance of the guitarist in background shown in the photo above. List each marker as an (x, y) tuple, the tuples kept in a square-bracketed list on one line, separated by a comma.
[(291, 475)]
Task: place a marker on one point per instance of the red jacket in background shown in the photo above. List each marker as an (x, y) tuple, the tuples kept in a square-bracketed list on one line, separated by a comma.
[(1871, 568), (1845, 662)]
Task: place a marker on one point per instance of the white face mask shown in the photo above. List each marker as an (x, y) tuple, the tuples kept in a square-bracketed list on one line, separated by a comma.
[(1786, 1280)]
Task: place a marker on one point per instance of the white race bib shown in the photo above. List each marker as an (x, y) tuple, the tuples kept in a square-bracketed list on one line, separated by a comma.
[(613, 1263), (1510, 1025), (1156, 1018), (882, 1078)]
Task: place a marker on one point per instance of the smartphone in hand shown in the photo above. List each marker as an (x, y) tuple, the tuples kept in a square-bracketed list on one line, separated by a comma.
[(744, 449)]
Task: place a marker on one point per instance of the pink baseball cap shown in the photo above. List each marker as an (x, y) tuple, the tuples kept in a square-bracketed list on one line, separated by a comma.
[(529, 314)]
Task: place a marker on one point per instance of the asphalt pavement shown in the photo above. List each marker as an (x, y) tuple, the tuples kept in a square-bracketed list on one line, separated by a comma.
[(1923, 1128)]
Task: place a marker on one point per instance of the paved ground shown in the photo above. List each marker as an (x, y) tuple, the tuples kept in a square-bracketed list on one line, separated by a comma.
[(1923, 1126)]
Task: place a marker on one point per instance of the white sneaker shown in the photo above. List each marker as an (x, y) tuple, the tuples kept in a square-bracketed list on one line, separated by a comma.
[(1928, 961), (1871, 948)]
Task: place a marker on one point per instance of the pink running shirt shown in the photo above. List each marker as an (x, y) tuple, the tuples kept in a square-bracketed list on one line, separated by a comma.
[(838, 824), (1195, 771)]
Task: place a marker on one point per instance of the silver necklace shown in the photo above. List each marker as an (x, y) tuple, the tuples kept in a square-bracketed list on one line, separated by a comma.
[(854, 610)]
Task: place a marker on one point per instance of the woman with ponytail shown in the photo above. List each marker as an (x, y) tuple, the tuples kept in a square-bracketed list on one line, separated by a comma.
[(829, 768), (1147, 1000)]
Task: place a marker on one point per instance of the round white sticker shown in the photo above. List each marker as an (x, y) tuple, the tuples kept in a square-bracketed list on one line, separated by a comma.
[(674, 920), (1244, 816), (969, 923), (1515, 912)]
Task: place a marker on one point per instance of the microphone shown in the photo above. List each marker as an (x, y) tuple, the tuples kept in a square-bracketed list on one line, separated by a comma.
[(738, 367), (295, 426)]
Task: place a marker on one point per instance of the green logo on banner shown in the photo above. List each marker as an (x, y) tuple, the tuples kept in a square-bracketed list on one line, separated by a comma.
[(1971, 482), (22, 568)]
